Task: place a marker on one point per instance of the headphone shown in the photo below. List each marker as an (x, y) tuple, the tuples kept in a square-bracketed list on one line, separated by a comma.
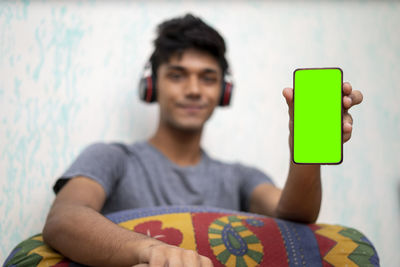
[(148, 90)]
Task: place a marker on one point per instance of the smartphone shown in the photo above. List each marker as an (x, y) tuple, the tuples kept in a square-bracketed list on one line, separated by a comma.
[(317, 116)]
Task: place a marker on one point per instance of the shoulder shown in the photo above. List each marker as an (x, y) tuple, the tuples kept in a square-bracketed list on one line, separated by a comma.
[(112, 147), (103, 151)]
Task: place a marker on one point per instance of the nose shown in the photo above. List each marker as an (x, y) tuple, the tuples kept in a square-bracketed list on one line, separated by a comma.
[(193, 89)]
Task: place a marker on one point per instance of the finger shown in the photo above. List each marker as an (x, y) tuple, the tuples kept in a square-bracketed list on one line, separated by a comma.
[(175, 259), (157, 256), (147, 253), (356, 97), (141, 265), (346, 137), (347, 88), (347, 118), (347, 128), (205, 262), (347, 101), (191, 258)]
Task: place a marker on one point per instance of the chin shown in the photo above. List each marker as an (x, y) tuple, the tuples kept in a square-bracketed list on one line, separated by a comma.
[(190, 126)]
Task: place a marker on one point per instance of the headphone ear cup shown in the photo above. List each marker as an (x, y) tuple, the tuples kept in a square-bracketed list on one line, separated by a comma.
[(226, 94), (153, 94), (147, 88), (142, 88)]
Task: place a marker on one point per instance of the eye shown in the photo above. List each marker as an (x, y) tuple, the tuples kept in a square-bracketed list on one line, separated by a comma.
[(209, 79), (175, 76)]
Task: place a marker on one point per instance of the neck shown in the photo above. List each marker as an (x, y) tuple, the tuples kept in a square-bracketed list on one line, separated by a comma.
[(179, 146)]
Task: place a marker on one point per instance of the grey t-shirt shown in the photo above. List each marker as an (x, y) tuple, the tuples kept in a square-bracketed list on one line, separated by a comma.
[(139, 175)]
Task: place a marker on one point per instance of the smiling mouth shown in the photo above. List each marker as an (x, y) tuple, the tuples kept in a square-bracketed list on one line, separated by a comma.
[(192, 109), (192, 106)]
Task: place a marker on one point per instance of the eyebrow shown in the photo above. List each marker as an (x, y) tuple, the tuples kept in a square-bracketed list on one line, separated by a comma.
[(180, 68)]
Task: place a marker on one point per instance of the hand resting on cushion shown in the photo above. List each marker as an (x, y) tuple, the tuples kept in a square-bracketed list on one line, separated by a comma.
[(74, 219)]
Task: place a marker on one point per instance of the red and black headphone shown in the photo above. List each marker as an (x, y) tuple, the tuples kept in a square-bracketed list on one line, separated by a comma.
[(148, 91)]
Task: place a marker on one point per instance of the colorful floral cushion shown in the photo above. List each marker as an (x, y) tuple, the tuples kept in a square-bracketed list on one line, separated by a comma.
[(228, 238)]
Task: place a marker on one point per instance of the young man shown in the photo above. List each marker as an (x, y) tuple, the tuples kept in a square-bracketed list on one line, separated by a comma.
[(171, 168)]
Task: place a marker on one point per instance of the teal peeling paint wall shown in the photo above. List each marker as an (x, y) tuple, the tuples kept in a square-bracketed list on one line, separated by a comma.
[(69, 73)]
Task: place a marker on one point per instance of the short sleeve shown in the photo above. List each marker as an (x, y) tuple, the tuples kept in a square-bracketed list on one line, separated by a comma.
[(104, 163), (250, 178)]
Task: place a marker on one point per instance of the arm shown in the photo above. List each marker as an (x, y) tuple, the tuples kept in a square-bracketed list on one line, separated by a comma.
[(76, 229), (300, 199)]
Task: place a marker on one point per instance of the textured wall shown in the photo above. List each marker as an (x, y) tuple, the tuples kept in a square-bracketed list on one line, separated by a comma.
[(68, 76)]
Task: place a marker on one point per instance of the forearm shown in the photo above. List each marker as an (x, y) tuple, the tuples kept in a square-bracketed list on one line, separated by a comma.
[(85, 236), (301, 197)]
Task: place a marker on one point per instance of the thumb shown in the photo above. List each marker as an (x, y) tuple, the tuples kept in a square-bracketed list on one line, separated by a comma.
[(288, 94)]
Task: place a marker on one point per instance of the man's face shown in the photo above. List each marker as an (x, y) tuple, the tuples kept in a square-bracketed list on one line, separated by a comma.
[(188, 89)]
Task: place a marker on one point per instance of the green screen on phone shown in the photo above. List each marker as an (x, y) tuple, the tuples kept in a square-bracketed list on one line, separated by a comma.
[(317, 121)]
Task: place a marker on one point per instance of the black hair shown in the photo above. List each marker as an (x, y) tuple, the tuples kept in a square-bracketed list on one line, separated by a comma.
[(179, 34)]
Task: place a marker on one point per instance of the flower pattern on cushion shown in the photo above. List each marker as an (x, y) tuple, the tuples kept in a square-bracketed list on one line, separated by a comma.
[(154, 229)]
